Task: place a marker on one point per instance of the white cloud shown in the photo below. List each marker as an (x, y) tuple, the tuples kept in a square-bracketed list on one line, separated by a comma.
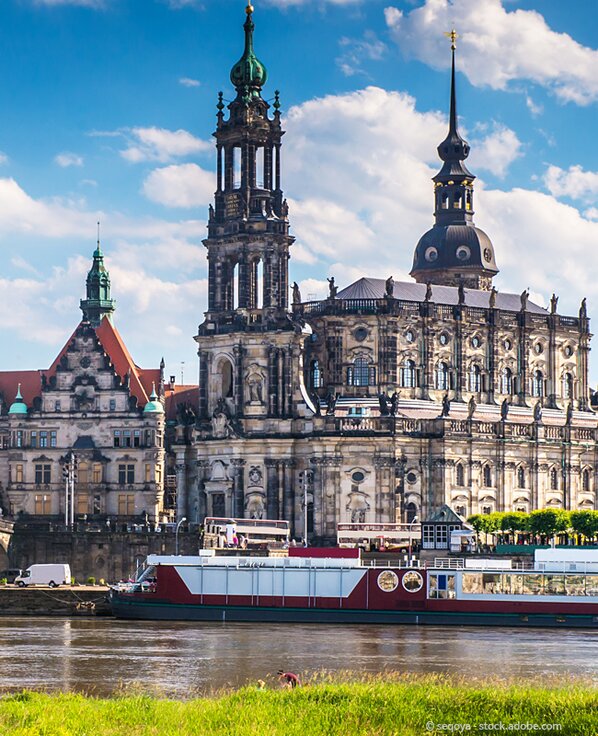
[(498, 46), (534, 108), (356, 51), (188, 82), (66, 159), (496, 152), (159, 144), (186, 185), (574, 183)]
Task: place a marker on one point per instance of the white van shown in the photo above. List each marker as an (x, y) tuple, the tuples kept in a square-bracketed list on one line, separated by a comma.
[(52, 575)]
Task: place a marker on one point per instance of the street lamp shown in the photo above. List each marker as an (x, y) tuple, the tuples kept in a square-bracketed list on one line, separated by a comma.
[(176, 535), (411, 523)]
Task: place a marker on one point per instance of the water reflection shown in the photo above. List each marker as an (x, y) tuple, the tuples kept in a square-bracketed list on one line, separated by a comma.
[(99, 655)]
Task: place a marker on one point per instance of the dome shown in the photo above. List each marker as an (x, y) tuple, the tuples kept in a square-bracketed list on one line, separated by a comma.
[(19, 406), (248, 73), (460, 247), (154, 405)]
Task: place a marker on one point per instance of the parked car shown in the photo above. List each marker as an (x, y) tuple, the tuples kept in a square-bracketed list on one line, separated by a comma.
[(53, 575)]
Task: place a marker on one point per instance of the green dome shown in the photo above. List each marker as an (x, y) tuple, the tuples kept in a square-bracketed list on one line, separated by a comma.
[(154, 405), (248, 75), (19, 406)]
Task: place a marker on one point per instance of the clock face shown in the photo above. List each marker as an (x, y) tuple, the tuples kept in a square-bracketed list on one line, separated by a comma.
[(487, 254), (85, 362)]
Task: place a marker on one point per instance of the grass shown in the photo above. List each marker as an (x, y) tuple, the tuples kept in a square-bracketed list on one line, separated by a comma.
[(372, 706)]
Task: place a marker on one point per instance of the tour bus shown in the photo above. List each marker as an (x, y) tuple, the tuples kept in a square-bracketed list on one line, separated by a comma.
[(221, 533), (382, 537)]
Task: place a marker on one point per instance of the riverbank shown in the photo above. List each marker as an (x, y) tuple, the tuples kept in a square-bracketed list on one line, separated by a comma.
[(377, 706), (80, 600)]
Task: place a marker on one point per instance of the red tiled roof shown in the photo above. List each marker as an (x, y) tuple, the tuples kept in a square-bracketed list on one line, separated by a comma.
[(115, 348), (180, 395)]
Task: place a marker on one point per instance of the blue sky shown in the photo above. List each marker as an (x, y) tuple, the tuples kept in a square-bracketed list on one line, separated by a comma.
[(107, 109)]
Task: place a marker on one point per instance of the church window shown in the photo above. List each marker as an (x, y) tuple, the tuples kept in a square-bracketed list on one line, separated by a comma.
[(568, 351), (444, 201), (585, 480), (411, 511), (360, 334), (507, 344), (554, 480), (475, 379), (226, 376), (486, 509), (410, 336), (538, 348), (443, 339), (468, 207), (520, 477), (361, 373), (315, 374), (259, 167), (476, 341), (408, 374), (459, 475), (236, 154), (442, 377), (431, 255), (463, 253), (538, 384), (506, 381), (568, 386), (461, 511), (487, 476), (458, 201)]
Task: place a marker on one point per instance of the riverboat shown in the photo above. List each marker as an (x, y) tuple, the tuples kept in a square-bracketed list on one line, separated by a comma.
[(560, 589)]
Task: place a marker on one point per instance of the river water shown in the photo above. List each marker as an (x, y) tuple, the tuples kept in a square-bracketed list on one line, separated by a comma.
[(101, 656)]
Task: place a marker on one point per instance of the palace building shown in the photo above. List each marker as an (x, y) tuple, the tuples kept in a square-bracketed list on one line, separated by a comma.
[(385, 400)]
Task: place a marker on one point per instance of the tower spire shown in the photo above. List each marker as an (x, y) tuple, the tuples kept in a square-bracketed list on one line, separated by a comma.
[(454, 252), (248, 75), (98, 303)]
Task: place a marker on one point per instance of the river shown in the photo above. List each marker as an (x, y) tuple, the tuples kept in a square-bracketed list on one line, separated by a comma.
[(101, 656)]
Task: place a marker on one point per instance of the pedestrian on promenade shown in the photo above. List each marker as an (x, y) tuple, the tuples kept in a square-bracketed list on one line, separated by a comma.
[(288, 679)]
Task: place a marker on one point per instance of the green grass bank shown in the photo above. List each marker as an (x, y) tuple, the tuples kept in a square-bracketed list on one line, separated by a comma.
[(405, 706)]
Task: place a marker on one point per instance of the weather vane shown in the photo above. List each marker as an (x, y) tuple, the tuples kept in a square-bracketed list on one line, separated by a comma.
[(453, 35)]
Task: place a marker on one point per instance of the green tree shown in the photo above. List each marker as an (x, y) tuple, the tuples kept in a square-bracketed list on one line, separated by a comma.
[(585, 523), (544, 523), (514, 521)]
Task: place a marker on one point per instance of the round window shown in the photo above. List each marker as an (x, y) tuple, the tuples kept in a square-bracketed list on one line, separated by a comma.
[(443, 339), (358, 476), (568, 351), (463, 253), (388, 581), (487, 254), (507, 344), (475, 342), (539, 348), (410, 336), (360, 334), (411, 477), (431, 254), (412, 581)]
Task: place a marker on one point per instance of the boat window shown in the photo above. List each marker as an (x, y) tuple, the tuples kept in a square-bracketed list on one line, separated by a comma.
[(575, 584), (492, 582), (412, 581), (442, 586), (532, 584), (592, 585), (472, 582), (554, 585)]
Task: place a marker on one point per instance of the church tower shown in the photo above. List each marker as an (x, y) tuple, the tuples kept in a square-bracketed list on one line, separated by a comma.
[(454, 252), (98, 303), (246, 341)]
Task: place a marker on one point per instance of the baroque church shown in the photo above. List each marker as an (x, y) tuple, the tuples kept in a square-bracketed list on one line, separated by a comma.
[(385, 400)]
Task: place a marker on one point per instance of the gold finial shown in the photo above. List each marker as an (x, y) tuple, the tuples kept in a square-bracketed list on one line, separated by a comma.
[(249, 9), (453, 35)]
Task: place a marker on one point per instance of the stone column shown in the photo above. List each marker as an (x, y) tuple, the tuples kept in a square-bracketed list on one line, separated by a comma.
[(272, 489), (522, 360), (288, 497), (552, 378), (238, 467), (239, 392), (491, 388), (181, 488), (459, 373)]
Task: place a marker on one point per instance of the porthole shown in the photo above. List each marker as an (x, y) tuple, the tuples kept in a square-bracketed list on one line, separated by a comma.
[(431, 255), (463, 253), (410, 336), (388, 581), (443, 339), (411, 477), (412, 581), (358, 476), (360, 334)]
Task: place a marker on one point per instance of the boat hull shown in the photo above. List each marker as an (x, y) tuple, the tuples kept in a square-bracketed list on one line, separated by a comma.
[(128, 607)]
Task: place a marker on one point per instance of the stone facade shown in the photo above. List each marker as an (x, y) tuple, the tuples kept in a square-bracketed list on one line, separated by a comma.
[(385, 400)]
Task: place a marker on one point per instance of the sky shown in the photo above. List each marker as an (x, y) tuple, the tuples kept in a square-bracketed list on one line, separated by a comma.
[(107, 109)]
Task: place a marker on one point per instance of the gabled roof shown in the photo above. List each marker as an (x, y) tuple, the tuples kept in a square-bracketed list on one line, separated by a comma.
[(445, 515), (141, 379), (367, 288)]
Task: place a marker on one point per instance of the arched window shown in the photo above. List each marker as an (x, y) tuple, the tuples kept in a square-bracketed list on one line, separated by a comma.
[(408, 374), (568, 386), (226, 376), (468, 200), (475, 379), (487, 476), (506, 381), (361, 373), (461, 511), (554, 480), (585, 480), (444, 201), (458, 201), (459, 475), (520, 477), (315, 375), (442, 377), (411, 512), (486, 509), (538, 384)]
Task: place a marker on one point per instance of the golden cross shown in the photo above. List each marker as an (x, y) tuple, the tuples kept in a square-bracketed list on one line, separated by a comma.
[(453, 35)]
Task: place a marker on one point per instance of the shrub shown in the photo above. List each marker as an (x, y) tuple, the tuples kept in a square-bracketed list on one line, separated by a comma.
[(91, 580), (3, 581)]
